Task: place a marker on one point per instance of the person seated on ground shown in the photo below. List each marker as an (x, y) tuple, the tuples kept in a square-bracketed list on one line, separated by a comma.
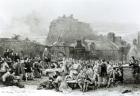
[(11, 80), (57, 81), (19, 69), (68, 77), (88, 80), (64, 86), (90, 72), (47, 84), (28, 69), (72, 79), (73, 70), (3, 69), (82, 80), (73, 74), (90, 75)]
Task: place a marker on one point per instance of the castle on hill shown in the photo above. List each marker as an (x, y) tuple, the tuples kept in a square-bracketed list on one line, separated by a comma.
[(78, 38)]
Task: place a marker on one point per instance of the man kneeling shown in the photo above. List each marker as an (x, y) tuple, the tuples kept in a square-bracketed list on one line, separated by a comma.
[(9, 79)]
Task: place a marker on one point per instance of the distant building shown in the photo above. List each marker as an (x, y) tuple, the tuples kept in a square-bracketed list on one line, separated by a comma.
[(79, 50), (103, 49), (23, 47), (59, 49), (67, 33)]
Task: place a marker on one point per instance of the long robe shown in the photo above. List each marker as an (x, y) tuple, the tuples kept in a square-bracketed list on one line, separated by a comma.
[(19, 69)]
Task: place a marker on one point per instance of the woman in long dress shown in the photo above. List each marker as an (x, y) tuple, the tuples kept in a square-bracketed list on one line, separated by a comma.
[(37, 71), (64, 86)]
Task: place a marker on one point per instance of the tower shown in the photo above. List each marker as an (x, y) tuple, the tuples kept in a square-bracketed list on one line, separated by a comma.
[(139, 39), (111, 36)]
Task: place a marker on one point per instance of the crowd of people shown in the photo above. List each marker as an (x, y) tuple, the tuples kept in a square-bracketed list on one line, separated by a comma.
[(14, 68), (64, 74), (67, 74)]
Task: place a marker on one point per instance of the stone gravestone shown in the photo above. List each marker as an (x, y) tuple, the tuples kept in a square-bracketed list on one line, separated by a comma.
[(128, 75)]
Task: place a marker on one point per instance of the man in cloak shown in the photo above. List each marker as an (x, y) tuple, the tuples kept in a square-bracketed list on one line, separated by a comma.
[(47, 57)]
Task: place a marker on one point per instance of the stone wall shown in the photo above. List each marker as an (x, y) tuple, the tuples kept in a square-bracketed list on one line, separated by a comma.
[(128, 75)]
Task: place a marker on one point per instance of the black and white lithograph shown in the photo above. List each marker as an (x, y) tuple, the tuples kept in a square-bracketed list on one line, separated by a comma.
[(69, 47)]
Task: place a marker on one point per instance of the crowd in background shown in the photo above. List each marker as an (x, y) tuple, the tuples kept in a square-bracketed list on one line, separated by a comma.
[(64, 74), (14, 68), (67, 74)]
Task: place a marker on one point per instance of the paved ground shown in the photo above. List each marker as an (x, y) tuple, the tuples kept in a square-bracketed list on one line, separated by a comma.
[(30, 90)]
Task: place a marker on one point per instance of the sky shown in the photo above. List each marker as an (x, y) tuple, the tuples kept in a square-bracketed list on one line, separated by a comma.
[(119, 16)]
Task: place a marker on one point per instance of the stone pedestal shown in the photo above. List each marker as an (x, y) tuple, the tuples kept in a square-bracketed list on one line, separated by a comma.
[(128, 75)]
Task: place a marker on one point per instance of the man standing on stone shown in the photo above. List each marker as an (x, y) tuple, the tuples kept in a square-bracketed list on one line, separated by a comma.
[(47, 57), (135, 65)]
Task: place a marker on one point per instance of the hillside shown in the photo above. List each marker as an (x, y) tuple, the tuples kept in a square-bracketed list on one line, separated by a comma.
[(68, 29)]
